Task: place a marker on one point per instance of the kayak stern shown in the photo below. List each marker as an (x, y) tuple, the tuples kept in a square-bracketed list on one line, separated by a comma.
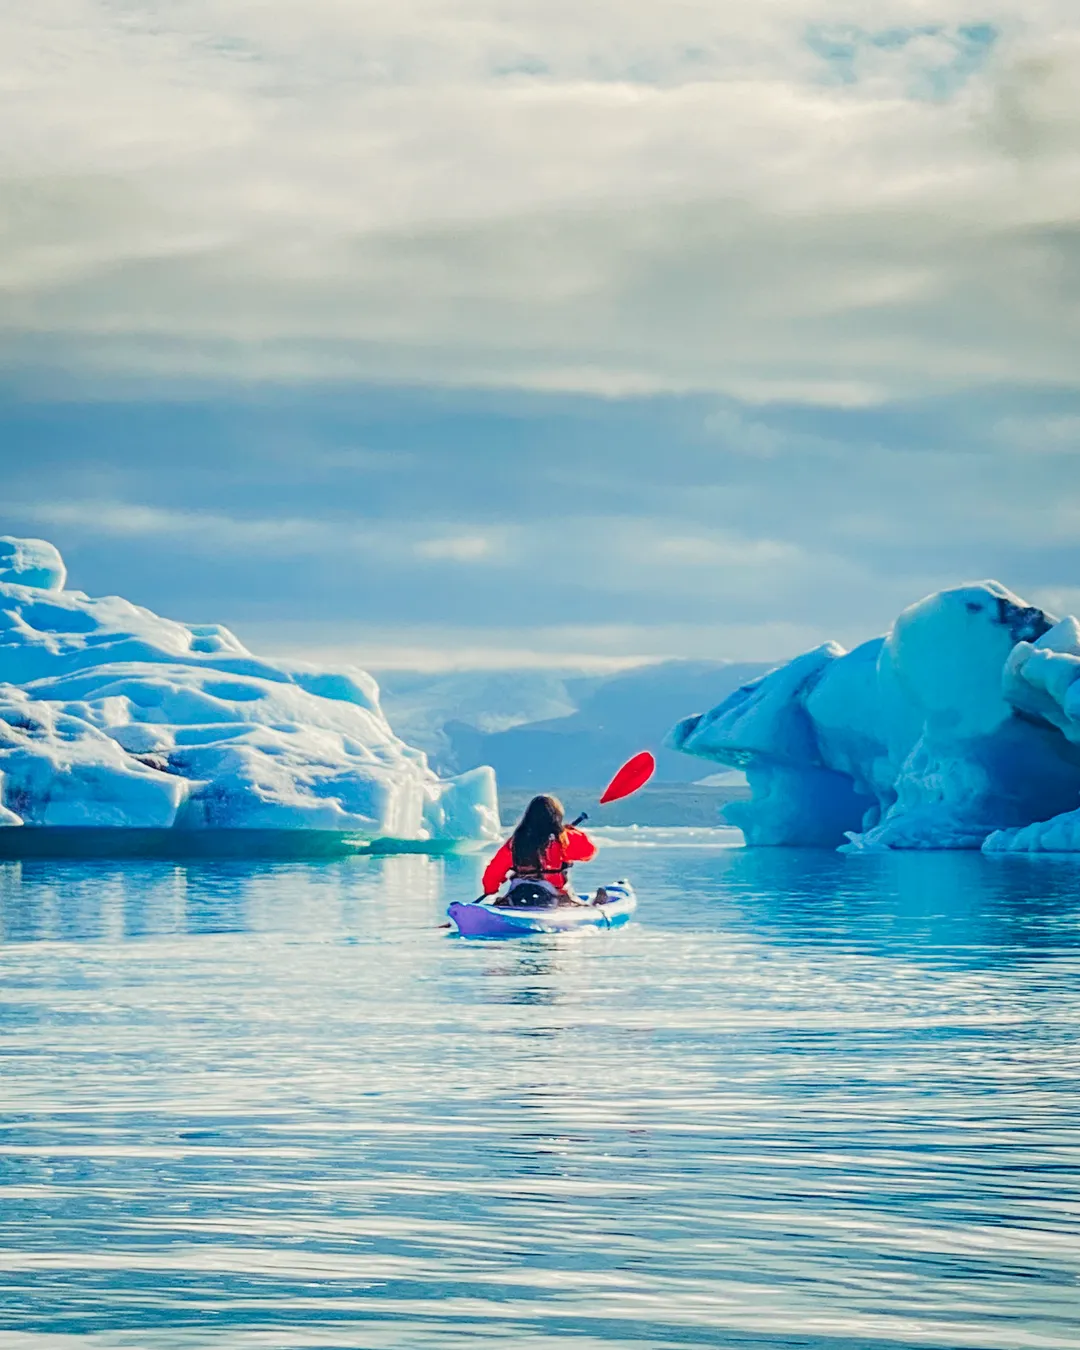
[(478, 920)]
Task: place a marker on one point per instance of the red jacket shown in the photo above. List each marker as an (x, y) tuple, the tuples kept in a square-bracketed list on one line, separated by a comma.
[(573, 846)]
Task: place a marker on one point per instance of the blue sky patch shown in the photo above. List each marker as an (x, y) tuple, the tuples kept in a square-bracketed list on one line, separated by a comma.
[(928, 61)]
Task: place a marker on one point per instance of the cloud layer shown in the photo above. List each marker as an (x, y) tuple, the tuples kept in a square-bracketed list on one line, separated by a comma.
[(452, 522), (511, 327), (837, 202)]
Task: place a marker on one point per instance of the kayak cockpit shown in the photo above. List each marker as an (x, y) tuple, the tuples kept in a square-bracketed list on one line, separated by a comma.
[(482, 918)]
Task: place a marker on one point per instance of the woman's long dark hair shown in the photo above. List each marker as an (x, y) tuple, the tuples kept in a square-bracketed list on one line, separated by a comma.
[(543, 818)]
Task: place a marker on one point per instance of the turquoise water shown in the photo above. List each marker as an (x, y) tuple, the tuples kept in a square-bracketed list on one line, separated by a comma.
[(805, 1101)]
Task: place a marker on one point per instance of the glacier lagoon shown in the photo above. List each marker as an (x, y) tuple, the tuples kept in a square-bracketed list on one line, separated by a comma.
[(807, 1100), (958, 729)]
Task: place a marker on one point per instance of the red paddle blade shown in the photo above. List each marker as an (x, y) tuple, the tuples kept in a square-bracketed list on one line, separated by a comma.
[(634, 773)]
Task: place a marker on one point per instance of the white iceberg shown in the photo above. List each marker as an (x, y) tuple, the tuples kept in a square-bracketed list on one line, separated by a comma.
[(958, 729), (31, 562), (111, 716), (1042, 682)]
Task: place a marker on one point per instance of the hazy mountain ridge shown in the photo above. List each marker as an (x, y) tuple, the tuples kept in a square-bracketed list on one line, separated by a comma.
[(540, 728)]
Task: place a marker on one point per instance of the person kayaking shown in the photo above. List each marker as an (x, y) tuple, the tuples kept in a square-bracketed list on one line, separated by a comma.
[(538, 857)]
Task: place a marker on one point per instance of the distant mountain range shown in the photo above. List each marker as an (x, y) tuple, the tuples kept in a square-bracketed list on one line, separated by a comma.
[(543, 729)]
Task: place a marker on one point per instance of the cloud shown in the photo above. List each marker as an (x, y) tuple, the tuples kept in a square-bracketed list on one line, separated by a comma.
[(463, 548), (1054, 434), (214, 533), (1058, 599), (554, 646), (208, 528), (612, 198), (808, 271), (717, 549), (519, 520), (1034, 107)]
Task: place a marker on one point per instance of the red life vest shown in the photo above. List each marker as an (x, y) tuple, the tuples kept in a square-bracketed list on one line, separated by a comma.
[(552, 867)]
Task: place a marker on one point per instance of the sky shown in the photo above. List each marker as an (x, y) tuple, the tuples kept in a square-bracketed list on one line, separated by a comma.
[(501, 332)]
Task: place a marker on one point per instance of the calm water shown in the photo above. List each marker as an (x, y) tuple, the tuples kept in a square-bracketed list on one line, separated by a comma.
[(807, 1101)]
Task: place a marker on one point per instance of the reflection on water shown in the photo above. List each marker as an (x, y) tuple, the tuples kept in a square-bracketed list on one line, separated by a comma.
[(806, 1101), (69, 901)]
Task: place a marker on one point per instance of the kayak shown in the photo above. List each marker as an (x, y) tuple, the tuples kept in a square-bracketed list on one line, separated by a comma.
[(484, 920)]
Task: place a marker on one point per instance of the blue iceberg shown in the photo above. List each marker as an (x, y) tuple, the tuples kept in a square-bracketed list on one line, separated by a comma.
[(960, 728), (112, 717)]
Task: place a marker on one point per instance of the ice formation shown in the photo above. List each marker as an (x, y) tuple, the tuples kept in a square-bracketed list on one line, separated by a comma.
[(112, 716), (31, 562), (958, 729)]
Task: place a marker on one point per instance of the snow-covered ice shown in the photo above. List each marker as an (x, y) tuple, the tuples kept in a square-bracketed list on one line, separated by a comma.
[(113, 716), (958, 729), (31, 562), (1042, 682)]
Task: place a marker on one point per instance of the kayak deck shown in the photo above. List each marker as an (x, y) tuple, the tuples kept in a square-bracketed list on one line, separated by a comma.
[(477, 919)]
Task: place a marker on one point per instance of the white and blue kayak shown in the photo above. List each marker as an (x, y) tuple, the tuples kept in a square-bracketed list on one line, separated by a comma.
[(485, 919)]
